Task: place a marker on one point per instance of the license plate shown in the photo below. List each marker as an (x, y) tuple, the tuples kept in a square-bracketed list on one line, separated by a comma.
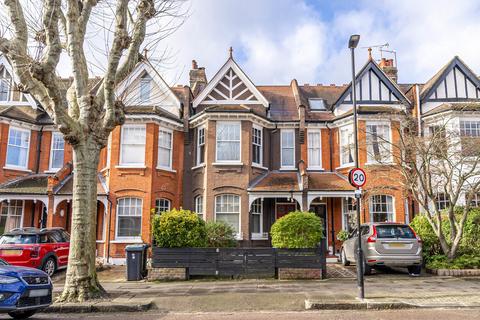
[(11, 252), (38, 293), (397, 245)]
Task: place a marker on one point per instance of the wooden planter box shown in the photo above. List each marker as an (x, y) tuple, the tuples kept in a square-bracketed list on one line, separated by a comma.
[(181, 263)]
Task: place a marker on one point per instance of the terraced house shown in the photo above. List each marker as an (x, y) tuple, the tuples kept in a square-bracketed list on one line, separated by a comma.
[(229, 149)]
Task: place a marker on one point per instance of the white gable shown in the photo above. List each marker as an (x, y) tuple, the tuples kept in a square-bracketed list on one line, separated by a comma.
[(455, 85), (7, 76), (145, 87), (370, 88), (230, 86)]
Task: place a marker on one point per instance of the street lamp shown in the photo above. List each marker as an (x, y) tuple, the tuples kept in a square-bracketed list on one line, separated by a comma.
[(352, 44)]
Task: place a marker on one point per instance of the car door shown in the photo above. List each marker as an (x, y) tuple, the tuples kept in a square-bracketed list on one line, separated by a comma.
[(61, 248), (349, 245)]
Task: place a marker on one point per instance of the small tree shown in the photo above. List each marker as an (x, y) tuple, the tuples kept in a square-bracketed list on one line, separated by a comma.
[(438, 163), (297, 229)]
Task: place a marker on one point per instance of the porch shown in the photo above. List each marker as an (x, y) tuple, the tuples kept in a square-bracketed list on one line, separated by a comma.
[(327, 194)]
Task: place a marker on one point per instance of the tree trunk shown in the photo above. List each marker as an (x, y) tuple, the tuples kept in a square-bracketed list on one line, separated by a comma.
[(81, 282)]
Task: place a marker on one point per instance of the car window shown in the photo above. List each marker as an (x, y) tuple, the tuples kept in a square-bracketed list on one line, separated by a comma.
[(3, 263), (353, 233), (395, 231), (365, 230), (55, 236), (44, 239), (66, 236), (18, 239)]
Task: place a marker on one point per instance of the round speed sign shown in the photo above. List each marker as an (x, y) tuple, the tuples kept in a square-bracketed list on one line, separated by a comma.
[(357, 177)]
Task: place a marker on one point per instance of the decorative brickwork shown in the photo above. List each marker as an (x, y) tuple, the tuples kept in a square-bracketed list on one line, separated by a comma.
[(298, 274)]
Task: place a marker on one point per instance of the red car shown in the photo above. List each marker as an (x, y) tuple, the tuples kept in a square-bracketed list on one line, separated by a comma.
[(45, 249)]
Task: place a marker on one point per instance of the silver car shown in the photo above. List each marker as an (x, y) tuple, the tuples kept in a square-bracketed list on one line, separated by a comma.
[(385, 244)]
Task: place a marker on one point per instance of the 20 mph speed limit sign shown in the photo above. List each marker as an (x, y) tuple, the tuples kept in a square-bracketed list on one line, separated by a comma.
[(357, 177)]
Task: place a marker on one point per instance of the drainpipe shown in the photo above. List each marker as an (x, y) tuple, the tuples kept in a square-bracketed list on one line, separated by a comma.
[(332, 214), (109, 226), (39, 149), (419, 119)]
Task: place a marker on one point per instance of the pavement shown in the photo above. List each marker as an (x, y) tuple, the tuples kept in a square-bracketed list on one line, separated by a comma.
[(386, 289)]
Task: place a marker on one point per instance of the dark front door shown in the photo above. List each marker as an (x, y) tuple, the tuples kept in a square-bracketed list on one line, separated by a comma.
[(320, 211), (43, 219), (285, 208)]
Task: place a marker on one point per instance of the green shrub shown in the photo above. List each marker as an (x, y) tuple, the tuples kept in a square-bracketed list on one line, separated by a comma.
[(297, 230), (471, 233), (430, 243), (220, 235), (342, 235), (466, 261), (179, 229)]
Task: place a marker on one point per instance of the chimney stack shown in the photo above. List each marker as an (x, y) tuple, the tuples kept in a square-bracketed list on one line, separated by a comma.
[(389, 68), (198, 78)]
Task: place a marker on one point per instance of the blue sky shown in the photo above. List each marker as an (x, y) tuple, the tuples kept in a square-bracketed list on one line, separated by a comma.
[(277, 40)]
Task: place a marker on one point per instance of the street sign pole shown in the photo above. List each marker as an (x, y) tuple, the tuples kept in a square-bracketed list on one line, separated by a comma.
[(360, 282)]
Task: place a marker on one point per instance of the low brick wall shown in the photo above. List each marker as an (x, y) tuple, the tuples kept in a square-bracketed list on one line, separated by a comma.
[(299, 273), (455, 272), (167, 274)]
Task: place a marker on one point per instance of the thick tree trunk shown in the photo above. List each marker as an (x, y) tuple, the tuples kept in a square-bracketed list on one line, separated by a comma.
[(81, 282)]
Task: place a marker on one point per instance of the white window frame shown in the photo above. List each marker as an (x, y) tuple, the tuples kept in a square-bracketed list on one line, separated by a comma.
[(168, 131), (391, 217), (132, 164), (145, 80), (389, 156), (199, 206), (258, 204), (237, 123), (255, 144), (346, 212), (200, 144), (168, 201), (8, 204), (6, 79), (442, 202), (311, 147), (136, 238), (473, 127), (8, 165), (54, 135), (347, 129), (238, 235), (282, 166)]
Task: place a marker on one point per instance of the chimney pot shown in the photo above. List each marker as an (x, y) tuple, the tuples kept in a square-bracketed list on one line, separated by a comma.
[(388, 67), (198, 78), (194, 64)]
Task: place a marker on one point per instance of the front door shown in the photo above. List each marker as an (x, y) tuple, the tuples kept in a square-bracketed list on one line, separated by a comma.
[(320, 211), (285, 208)]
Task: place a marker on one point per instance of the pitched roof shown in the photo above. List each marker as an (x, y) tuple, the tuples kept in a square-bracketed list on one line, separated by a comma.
[(66, 186), (328, 181), (30, 184), (26, 114), (274, 181), (283, 106)]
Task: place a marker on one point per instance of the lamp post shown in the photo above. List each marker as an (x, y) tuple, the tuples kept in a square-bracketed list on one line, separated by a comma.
[(352, 44)]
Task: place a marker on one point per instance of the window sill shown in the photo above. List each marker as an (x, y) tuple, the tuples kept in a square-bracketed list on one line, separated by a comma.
[(260, 236), (132, 240), (166, 169), (52, 170), (376, 163), (100, 241), (256, 165), (288, 168), (130, 167), (345, 166), (198, 166), (17, 169), (315, 169), (227, 163)]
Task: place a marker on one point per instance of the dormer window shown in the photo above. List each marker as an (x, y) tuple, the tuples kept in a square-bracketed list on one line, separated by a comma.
[(145, 87), (317, 104), (5, 81)]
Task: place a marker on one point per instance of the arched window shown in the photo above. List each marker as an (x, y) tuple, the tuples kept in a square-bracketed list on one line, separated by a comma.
[(199, 206), (381, 208), (129, 218), (227, 209), (162, 205)]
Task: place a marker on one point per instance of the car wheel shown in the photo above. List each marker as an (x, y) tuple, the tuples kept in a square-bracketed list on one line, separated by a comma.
[(367, 270), (22, 314), (343, 257), (50, 266), (415, 270)]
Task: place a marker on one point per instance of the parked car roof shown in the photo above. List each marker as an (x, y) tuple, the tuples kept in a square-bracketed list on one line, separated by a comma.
[(30, 231)]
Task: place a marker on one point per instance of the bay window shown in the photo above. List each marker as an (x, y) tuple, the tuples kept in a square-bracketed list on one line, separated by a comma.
[(227, 209), (162, 205), (287, 142), (164, 149), (228, 142), (133, 145), (314, 149), (11, 214), (378, 142), (17, 148), (347, 146), (56, 151), (381, 208), (257, 145), (129, 218), (199, 206)]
